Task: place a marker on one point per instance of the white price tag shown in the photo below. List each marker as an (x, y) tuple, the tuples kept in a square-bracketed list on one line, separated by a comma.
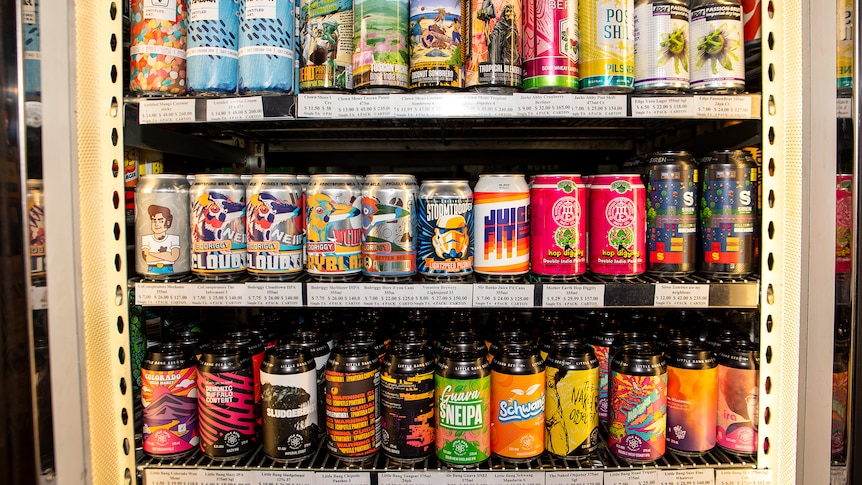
[(599, 106), (378, 294), (675, 295), (838, 475), (166, 111), (334, 294), (635, 477), (33, 113), (234, 477), (488, 105), (664, 107), (373, 106), (501, 295), (544, 105), (700, 476), (217, 294), (163, 294), (420, 106), (573, 296), (409, 478), (593, 477), (342, 478), (724, 106), (443, 296), (844, 109), (520, 477), (748, 477), (469, 478), (273, 294), (346, 106), (39, 297), (167, 476), (235, 109), (315, 106), (284, 477)]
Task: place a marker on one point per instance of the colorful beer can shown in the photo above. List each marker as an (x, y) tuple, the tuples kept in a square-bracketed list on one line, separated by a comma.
[(463, 405), (326, 30), (493, 61), (571, 392), (320, 350), (502, 224), (267, 46), (558, 226), (843, 223), (389, 226), (407, 403), (158, 47), (717, 53), (162, 243), (436, 44), (738, 389), (257, 349), (274, 225), (551, 46), (638, 404), (601, 339), (671, 213), (617, 225), (607, 57), (169, 399), (517, 403), (380, 59), (226, 402), (32, 50), (445, 230), (728, 214), (218, 226), (352, 388), (844, 61), (333, 225), (212, 46), (692, 397), (840, 389), (36, 228), (289, 401), (661, 46)]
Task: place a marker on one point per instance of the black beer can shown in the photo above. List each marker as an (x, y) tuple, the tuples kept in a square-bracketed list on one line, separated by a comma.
[(170, 415), (256, 347), (548, 339), (352, 407), (289, 403), (600, 339), (407, 402), (226, 402), (671, 213), (369, 338), (320, 350)]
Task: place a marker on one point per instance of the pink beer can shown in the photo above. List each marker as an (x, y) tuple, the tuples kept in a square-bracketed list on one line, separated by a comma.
[(617, 237), (558, 231)]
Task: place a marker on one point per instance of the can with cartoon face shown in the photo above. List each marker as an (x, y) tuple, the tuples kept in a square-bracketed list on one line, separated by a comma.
[(333, 223), (218, 226), (162, 242), (445, 230), (274, 225)]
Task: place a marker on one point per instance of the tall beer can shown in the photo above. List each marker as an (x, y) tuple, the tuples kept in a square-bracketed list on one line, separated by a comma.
[(738, 390), (551, 46), (437, 44), (326, 37), (671, 213), (162, 244), (571, 393), (334, 227), (352, 403), (517, 403), (717, 53), (692, 397), (617, 225), (843, 223), (445, 230), (169, 398), (380, 60), (320, 350), (407, 403), (274, 226), (218, 226), (494, 56), (212, 47), (558, 226), (36, 228), (607, 58), (661, 46), (389, 227), (502, 226)]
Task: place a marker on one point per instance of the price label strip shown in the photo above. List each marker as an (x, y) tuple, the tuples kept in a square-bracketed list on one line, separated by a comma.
[(676, 295), (838, 475), (844, 108), (573, 296), (469, 478), (284, 477), (233, 477), (488, 105), (217, 294), (273, 294), (635, 477), (520, 477), (409, 478), (599, 106), (235, 109), (342, 478), (593, 477), (500, 295), (544, 105), (378, 294), (748, 477), (166, 111), (334, 294), (164, 294), (443, 296), (168, 476), (421, 106), (739, 107), (315, 106), (700, 476), (664, 107), (39, 297)]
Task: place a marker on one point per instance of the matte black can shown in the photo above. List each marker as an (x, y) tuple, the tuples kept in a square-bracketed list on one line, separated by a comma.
[(289, 403), (352, 405), (407, 403), (320, 350)]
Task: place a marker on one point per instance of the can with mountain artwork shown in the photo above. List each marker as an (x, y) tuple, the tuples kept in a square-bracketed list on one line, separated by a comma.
[(617, 225), (671, 213), (289, 401), (558, 229), (571, 393), (169, 398)]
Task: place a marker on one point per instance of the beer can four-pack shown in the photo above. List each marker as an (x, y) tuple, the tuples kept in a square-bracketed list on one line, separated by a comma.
[(169, 398), (558, 226), (571, 394), (551, 46), (326, 37), (717, 54), (407, 403), (380, 59), (274, 225), (661, 46), (738, 390), (617, 225), (517, 403), (445, 230), (502, 225), (36, 228), (493, 59), (389, 226), (218, 226), (352, 403), (333, 226), (692, 397), (162, 227), (437, 40), (671, 213), (606, 45)]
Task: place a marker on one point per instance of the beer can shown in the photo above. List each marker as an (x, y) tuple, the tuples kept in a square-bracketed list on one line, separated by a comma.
[(502, 224), (36, 228), (274, 226), (326, 35), (551, 46), (558, 337), (352, 404), (407, 403), (571, 392), (218, 227), (211, 53), (445, 230), (558, 226), (436, 33), (843, 223), (600, 339), (840, 389), (157, 35), (617, 225), (257, 349), (844, 59), (738, 389), (333, 227), (717, 54), (638, 404), (493, 58), (463, 407), (728, 214), (606, 38), (661, 46), (289, 398), (320, 350), (692, 397), (267, 47), (169, 399), (671, 213), (380, 60), (517, 403), (226, 402), (162, 244), (389, 227)]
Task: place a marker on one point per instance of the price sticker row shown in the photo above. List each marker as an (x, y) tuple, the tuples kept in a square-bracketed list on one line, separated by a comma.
[(391, 295), (219, 294), (573, 296), (681, 295), (747, 476), (503, 295), (738, 107)]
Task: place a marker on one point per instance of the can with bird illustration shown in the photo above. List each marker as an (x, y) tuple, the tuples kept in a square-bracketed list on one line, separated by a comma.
[(267, 46), (551, 46), (494, 56), (437, 44), (274, 224), (389, 226), (661, 46), (333, 223), (326, 38), (380, 51), (218, 226)]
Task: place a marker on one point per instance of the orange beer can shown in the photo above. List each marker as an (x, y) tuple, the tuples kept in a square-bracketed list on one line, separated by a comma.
[(517, 403)]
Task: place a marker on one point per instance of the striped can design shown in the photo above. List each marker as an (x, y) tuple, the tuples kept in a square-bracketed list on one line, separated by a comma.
[(212, 46), (607, 45), (502, 225), (267, 46)]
